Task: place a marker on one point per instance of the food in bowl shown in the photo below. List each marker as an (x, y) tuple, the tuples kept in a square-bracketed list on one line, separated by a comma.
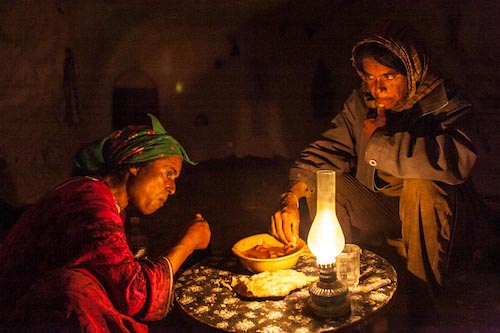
[(266, 251), (263, 252)]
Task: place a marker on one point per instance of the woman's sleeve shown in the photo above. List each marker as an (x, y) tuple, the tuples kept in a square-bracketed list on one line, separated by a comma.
[(160, 289)]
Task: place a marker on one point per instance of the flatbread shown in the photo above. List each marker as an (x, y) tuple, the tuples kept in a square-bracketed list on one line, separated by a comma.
[(271, 284)]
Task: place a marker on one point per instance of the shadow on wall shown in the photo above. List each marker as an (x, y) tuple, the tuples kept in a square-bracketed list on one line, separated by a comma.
[(237, 197), (8, 194)]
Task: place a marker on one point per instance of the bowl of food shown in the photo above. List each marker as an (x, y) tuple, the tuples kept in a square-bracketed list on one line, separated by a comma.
[(264, 253)]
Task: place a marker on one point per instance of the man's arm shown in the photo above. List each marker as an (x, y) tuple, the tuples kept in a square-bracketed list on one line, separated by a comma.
[(334, 150), (438, 146)]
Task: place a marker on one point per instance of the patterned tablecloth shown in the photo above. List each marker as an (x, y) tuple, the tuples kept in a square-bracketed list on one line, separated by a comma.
[(204, 292)]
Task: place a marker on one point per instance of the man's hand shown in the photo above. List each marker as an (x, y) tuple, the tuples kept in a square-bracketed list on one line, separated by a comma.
[(285, 222), (370, 125)]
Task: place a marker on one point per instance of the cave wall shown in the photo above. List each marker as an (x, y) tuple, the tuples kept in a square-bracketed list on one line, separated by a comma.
[(249, 73)]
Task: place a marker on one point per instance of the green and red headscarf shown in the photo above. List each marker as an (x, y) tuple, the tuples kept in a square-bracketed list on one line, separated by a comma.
[(130, 145)]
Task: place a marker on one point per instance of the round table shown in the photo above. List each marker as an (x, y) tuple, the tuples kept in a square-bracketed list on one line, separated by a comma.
[(204, 293)]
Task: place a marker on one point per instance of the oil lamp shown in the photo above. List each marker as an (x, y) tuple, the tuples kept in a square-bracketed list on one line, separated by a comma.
[(329, 296)]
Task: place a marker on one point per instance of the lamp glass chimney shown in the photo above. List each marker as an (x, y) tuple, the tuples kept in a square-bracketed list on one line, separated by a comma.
[(326, 239)]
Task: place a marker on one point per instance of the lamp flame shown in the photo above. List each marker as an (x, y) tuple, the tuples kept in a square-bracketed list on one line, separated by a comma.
[(326, 239)]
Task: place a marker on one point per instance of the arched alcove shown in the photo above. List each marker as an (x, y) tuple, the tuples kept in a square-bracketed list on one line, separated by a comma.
[(134, 96)]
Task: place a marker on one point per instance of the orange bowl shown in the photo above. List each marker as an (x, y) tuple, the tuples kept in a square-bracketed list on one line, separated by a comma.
[(257, 265)]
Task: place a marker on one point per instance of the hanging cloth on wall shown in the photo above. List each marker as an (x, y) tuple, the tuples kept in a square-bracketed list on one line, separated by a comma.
[(72, 109)]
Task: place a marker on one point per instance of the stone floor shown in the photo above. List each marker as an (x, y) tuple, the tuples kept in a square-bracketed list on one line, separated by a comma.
[(237, 196)]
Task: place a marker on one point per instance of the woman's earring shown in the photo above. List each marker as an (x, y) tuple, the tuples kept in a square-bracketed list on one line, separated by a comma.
[(133, 170)]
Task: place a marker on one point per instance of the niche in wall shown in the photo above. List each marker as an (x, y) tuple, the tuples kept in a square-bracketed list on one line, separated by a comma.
[(134, 96)]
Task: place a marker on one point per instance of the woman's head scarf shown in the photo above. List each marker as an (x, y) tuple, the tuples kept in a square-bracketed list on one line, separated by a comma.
[(129, 145), (403, 42)]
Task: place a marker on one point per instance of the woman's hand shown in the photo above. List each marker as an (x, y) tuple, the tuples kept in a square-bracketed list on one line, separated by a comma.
[(194, 236), (285, 222)]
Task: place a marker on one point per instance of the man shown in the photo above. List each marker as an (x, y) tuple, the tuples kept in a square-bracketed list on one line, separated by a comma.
[(403, 146), (66, 265)]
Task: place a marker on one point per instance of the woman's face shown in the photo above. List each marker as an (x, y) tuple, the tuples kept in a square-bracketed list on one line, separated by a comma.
[(149, 187), (387, 85)]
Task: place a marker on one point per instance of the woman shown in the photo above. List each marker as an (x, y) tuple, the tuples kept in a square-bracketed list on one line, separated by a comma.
[(66, 263)]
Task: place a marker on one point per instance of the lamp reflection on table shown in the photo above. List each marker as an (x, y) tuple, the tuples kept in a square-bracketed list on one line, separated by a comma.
[(329, 296)]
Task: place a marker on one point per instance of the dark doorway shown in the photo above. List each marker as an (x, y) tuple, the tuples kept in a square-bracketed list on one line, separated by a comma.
[(134, 96), (131, 106)]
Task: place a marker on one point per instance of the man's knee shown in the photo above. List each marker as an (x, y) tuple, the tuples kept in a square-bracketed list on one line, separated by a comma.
[(423, 190), (425, 198), (422, 186)]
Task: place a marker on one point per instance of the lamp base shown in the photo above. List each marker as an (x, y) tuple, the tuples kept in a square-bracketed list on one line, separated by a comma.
[(329, 296), (329, 299)]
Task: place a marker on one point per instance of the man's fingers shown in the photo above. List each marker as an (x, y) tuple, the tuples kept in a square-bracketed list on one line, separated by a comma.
[(369, 126), (290, 224), (381, 111), (295, 229), (289, 235), (279, 228), (272, 230), (368, 122)]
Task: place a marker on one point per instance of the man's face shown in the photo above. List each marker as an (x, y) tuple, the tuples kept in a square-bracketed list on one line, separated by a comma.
[(386, 84), (150, 187)]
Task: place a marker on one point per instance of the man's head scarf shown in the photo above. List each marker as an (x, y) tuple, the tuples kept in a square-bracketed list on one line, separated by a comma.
[(403, 42), (129, 145)]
